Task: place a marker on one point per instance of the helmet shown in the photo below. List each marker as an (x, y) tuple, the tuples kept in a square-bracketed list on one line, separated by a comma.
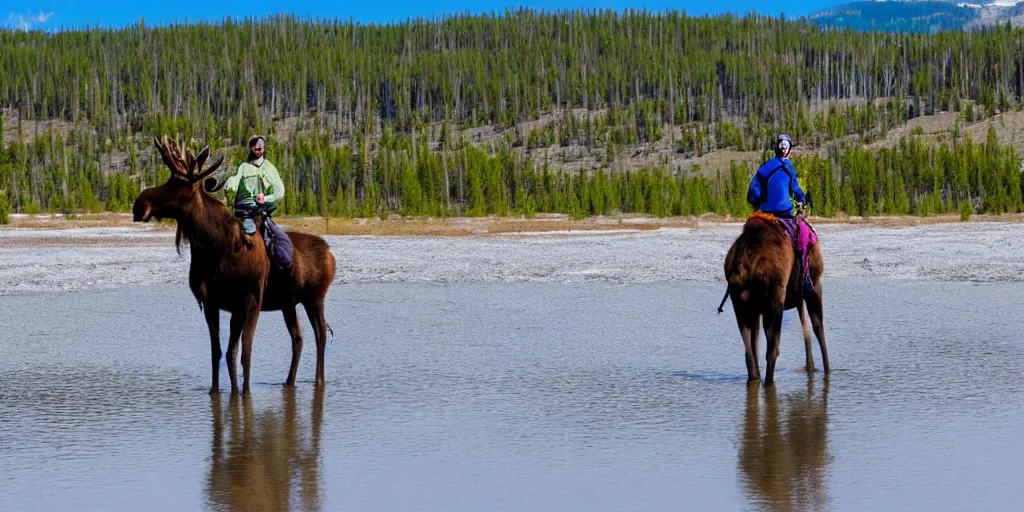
[(783, 145)]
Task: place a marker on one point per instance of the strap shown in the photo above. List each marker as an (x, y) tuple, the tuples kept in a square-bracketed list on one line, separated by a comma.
[(765, 179), (792, 179), (781, 167)]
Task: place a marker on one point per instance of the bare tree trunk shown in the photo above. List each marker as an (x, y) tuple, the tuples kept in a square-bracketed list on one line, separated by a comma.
[(447, 184)]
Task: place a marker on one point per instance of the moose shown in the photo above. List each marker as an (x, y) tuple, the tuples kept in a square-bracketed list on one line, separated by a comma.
[(231, 271), (764, 279)]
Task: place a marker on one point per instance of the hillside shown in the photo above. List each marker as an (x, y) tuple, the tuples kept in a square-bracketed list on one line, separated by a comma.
[(936, 129), (921, 16), (525, 113)]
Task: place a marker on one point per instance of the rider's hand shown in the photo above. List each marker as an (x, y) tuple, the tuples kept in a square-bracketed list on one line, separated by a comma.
[(260, 198)]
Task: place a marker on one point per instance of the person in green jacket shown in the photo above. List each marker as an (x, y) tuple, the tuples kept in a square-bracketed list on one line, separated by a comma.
[(257, 184)]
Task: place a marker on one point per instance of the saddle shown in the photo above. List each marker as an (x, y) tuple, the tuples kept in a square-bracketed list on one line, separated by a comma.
[(279, 245), (801, 234)]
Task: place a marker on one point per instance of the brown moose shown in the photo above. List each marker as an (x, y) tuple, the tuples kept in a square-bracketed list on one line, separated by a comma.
[(764, 280), (232, 272)]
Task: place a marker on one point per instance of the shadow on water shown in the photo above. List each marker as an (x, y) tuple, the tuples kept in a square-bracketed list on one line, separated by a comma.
[(711, 376), (267, 457), (783, 455)]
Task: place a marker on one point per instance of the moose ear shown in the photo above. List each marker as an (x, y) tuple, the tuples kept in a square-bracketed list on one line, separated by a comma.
[(211, 184)]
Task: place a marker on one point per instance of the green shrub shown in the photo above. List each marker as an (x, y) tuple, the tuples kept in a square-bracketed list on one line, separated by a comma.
[(965, 210)]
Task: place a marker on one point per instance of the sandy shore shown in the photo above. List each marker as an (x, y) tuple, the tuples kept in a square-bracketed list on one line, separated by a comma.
[(462, 226), (620, 250)]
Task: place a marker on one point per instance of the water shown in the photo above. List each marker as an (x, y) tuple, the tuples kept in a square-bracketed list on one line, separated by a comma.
[(531, 396)]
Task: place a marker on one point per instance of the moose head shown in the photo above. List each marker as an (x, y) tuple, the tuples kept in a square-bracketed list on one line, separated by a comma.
[(183, 190)]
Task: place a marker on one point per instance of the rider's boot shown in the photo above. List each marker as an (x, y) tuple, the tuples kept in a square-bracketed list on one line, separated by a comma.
[(249, 226)]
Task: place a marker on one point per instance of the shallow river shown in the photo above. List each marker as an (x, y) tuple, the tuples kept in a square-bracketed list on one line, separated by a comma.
[(517, 396)]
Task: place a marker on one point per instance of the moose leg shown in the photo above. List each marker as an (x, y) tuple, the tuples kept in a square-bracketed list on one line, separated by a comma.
[(315, 312), (747, 322), (772, 333), (237, 320), (755, 333), (213, 323), (750, 354), (814, 308), (248, 332), (291, 321), (807, 337)]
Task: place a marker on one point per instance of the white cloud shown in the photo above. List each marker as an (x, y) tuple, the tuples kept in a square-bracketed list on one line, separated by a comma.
[(27, 21)]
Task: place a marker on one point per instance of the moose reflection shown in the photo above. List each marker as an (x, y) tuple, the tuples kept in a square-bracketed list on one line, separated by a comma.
[(268, 457), (783, 456)]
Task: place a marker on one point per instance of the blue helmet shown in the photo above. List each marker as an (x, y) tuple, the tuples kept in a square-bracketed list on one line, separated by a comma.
[(783, 145)]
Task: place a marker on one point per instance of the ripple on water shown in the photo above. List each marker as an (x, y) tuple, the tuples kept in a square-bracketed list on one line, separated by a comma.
[(511, 396)]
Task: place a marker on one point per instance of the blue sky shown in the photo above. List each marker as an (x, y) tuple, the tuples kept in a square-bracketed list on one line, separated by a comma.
[(57, 14)]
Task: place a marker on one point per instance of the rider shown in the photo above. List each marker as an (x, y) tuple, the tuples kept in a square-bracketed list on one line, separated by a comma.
[(773, 189), (258, 184), (775, 184), (259, 190)]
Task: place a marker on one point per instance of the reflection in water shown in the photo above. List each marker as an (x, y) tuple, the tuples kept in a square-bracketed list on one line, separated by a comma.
[(783, 454), (584, 397), (265, 457)]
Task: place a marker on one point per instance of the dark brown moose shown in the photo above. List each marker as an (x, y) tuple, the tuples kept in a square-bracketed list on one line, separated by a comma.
[(232, 272), (762, 272)]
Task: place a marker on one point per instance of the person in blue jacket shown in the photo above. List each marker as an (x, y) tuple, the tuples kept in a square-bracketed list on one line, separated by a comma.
[(775, 185), (773, 189)]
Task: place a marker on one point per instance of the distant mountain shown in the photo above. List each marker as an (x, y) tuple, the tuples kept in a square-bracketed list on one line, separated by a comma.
[(925, 16)]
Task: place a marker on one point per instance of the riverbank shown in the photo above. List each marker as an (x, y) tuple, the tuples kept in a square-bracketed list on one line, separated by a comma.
[(463, 226), (631, 251)]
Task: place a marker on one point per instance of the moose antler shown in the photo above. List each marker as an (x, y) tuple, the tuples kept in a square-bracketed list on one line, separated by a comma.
[(179, 159), (204, 154), (169, 153)]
